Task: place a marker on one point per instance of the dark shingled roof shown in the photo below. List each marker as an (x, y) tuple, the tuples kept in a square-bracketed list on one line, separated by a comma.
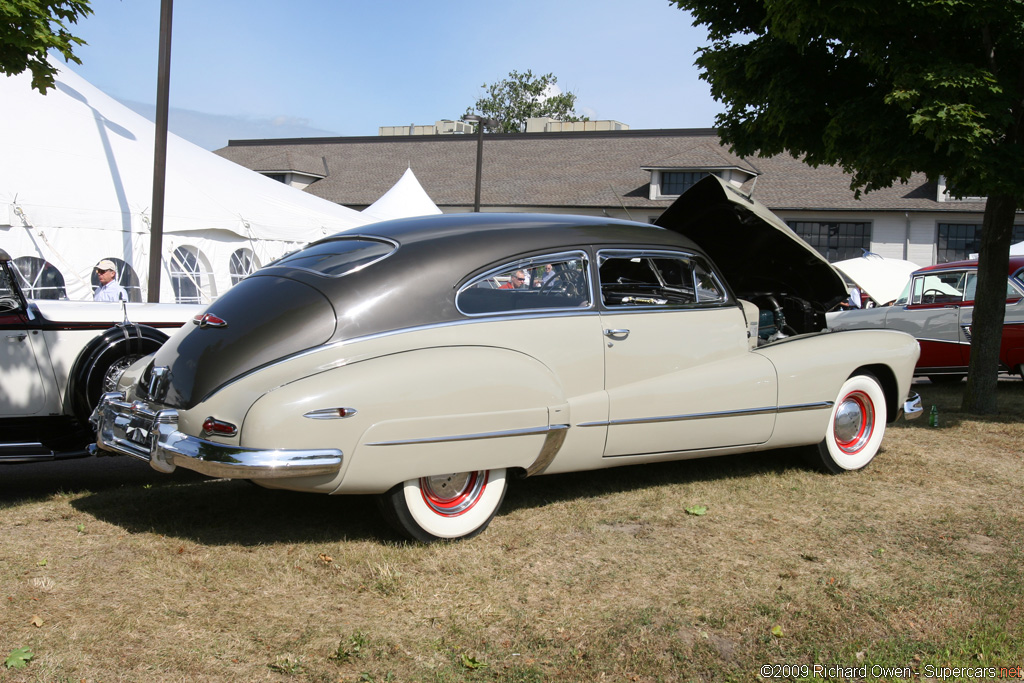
[(586, 171)]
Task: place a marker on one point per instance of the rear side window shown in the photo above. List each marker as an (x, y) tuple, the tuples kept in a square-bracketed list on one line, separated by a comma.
[(542, 283), (337, 257)]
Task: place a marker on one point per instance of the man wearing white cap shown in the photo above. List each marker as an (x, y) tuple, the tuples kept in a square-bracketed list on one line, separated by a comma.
[(108, 290)]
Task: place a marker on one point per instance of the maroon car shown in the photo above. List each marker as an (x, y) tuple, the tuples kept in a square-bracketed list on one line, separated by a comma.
[(936, 307)]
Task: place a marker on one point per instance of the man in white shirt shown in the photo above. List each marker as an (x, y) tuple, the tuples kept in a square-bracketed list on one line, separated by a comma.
[(108, 290)]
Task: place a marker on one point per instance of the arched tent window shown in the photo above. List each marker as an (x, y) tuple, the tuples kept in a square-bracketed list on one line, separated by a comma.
[(243, 263), (126, 277), (191, 278), (39, 279)]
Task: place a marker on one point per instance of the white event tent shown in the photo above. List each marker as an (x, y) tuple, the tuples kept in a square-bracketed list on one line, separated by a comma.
[(76, 177), (406, 198)]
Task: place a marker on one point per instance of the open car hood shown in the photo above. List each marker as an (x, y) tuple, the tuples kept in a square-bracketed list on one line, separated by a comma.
[(756, 251)]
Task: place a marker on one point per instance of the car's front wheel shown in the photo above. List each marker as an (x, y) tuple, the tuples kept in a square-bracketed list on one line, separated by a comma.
[(856, 426), (447, 506)]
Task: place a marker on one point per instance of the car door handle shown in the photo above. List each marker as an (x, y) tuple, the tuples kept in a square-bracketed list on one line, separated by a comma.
[(616, 334), (17, 337)]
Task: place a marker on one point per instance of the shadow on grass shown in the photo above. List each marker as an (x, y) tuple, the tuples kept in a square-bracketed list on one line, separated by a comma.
[(223, 512), (227, 512)]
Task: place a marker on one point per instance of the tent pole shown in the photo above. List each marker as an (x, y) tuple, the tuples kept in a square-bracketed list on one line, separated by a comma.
[(156, 234)]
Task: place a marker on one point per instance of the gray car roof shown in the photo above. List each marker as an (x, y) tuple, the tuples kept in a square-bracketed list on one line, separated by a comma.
[(416, 284)]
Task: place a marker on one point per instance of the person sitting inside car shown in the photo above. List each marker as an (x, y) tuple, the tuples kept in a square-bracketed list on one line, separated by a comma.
[(516, 281), (108, 290)]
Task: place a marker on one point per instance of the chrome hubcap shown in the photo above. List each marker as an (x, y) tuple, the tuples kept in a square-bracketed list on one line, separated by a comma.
[(453, 494), (853, 423)]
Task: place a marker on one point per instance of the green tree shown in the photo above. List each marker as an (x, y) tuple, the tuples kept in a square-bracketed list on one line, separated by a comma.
[(883, 89), (30, 28), (522, 96)]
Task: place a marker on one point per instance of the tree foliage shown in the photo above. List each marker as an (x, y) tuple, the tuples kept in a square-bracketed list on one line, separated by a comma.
[(523, 96), (884, 89), (30, 28)]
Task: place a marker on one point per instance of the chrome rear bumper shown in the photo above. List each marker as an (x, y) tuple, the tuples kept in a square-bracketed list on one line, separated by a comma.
[(136, 429)]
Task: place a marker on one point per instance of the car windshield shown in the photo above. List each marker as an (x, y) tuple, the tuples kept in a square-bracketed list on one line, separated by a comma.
[(949, 288), (337, 257)]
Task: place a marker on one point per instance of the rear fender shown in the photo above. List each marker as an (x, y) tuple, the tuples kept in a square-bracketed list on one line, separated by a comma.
[(416, 413)]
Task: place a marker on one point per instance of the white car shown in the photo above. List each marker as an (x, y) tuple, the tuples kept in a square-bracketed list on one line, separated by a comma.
[(411, 359), (58, 357)]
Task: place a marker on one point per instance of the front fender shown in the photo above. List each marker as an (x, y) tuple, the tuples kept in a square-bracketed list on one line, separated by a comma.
[(813, 368), (415, 413)]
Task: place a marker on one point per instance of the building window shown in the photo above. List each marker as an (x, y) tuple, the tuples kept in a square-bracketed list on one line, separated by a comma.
[(243, 263), (678, 182), (958, 241), (39, 279), (279, 177), (836, 241)]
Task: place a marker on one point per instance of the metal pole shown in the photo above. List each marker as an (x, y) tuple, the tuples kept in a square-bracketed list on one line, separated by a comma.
[(156, 235), (479, 163)]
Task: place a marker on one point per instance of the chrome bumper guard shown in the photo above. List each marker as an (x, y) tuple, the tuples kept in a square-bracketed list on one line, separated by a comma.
[(137, 430), (912, 407)]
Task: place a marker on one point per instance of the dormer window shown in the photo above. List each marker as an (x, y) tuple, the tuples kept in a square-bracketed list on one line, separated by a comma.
[(668, 182), (674, 183)]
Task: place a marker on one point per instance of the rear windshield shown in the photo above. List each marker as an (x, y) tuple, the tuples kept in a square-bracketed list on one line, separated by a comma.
[(338, 257)]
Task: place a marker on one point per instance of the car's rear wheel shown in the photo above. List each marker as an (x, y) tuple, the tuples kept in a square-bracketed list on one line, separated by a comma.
[(856, 426), (447, 506)]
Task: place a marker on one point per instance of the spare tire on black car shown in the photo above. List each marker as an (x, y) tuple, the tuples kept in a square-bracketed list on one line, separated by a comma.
[(104, 359)]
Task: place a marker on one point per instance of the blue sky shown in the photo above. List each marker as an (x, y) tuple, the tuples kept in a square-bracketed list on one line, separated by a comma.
[(256, 68)]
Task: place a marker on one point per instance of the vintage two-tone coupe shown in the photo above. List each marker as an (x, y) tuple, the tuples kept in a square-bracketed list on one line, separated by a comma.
[(428, 360)]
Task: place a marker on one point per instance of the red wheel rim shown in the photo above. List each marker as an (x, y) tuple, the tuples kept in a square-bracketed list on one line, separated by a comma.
[(854, 422), (450, 495)]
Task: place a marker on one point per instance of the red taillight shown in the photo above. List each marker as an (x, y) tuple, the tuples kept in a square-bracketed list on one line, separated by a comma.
[(205, 320), (212, 427)]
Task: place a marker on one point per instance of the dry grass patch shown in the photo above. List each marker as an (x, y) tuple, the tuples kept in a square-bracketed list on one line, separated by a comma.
[(913, 562)]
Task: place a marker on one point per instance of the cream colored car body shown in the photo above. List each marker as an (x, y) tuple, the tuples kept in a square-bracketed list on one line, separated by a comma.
[(439, 399), (413, 360)]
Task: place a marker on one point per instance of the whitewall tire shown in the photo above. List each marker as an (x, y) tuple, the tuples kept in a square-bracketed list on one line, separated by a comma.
[(447, 506), (856, 426)]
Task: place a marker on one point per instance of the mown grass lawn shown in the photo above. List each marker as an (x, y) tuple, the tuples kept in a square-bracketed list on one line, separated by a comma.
[(910, 565)]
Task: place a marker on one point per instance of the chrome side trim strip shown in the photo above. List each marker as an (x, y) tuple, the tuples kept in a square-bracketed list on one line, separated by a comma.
[(529, 431), (822, 405), (341, 343)]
